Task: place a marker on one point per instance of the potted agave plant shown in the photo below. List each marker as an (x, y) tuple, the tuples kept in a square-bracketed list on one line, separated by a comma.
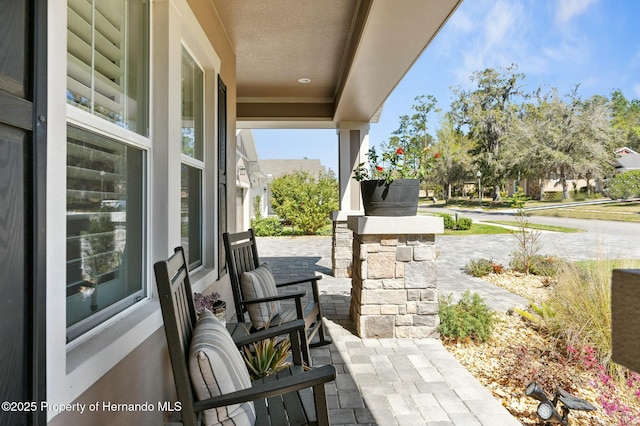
[(390, 184)]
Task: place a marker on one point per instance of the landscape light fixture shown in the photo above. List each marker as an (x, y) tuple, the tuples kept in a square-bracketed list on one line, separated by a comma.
[(546, 410)]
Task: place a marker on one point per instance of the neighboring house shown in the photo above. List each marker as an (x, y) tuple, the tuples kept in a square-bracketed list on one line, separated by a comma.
[(627, 160), (246, 169), (270, 169), (118, 143)]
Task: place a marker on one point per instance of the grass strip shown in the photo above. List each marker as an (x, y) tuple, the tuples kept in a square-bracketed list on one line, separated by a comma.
[(537, 226)]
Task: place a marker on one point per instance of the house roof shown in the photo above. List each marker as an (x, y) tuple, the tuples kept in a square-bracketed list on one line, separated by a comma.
[(277, 168), (353, 51), (624, 150), (626, 162)]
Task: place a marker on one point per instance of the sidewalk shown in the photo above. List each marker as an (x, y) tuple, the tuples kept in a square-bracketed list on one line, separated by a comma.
[(390, 381)]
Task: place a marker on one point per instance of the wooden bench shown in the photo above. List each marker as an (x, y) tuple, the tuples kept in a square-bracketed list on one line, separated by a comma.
[(293, 396), (242, 256)]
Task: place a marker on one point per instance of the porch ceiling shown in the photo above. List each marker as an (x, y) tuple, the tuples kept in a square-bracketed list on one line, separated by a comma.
[(353, 51)]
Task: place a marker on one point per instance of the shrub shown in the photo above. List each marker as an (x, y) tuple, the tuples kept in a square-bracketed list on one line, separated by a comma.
[(546, 266), (468, 319), (624, 185), (552, 196), (460, 224), (304, 200), (464, 223), (479, 267), (449, 221), (266, 226)]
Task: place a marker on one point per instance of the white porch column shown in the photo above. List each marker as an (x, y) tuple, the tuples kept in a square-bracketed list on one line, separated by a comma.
[(353, 140), (353, 144)]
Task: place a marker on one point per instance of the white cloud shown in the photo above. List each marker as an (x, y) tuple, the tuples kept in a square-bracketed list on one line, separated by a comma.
[(567, 9), (496, 42), (500, 21)]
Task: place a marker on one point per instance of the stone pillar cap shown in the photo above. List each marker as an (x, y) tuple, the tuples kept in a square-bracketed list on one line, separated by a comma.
[(396, 225)]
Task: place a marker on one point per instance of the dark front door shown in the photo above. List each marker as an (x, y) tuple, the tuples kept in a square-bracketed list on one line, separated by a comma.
[(22, 210)]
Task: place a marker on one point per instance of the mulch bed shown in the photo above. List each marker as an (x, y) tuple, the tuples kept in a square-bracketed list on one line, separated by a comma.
[(518, 353)]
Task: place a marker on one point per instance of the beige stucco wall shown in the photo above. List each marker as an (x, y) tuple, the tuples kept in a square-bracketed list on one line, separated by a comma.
[(143, 376)]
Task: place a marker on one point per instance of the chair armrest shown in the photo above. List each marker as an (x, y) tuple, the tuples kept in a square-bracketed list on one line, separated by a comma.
[(298, 295), (260, 390), (286, 328), (314, 278)]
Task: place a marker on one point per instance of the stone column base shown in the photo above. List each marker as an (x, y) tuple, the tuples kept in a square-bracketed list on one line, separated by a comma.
[(341, 245), (394, 292)]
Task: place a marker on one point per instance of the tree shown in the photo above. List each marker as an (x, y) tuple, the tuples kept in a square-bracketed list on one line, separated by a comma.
[(455, 162), (625, 119), (569, 139), (487, 112), (305, 200), (412, 135)]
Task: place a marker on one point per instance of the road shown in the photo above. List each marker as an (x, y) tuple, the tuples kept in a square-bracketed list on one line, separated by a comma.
[(600, 239)]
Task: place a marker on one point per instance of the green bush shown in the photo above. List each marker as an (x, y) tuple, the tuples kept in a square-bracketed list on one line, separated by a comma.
[(464, 223), (624, 185), (479, 267), (552, 196), (304, 200), (459, 224), (468, 319), (544, 266), (266, 226), (449, 221)]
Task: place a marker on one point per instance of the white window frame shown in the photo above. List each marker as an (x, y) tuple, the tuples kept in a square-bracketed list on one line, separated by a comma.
[(73, 368)]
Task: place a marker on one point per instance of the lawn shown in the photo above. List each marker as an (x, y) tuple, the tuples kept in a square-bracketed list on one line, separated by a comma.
[(479, 229), (623, 211), (537, 226)]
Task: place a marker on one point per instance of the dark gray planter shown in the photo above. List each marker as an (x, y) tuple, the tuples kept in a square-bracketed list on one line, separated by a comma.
[(398, 198)]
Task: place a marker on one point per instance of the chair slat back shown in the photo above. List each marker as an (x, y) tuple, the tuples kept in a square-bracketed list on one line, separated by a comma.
[(178, 312), (242, 256)]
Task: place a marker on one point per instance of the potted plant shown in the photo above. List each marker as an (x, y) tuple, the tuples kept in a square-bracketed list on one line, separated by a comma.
[(390, 184), (212, 303)]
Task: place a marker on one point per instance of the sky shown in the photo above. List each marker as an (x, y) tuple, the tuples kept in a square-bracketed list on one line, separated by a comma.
[(555, 43)]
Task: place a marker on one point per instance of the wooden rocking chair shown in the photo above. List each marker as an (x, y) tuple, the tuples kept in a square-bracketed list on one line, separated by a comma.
[(242, 257), (293, 396)]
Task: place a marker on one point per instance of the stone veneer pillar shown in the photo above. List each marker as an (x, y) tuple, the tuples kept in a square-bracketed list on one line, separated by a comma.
[(342, 244), (394, 281)]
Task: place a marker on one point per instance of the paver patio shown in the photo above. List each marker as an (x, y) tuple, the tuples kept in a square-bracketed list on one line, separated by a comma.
[(387, 381)]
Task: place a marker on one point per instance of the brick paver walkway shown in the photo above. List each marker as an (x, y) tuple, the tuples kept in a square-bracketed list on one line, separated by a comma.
[(389, 381)]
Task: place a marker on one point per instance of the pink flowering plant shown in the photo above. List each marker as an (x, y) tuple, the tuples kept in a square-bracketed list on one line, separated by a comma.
[(202, 302), (618, 398), (395, 164)]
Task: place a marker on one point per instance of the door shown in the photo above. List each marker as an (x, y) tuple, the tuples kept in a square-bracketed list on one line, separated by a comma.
[(22, 209)]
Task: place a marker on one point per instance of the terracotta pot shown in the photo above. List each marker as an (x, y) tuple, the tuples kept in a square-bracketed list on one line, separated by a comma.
[(398, 198)]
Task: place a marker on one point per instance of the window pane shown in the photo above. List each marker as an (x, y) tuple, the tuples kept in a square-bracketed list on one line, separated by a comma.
[(107, 60), (105, 233), (192, 107), (191, 215)]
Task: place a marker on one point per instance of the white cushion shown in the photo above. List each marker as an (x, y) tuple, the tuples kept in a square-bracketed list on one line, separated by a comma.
[(217, 368), (257, 284)]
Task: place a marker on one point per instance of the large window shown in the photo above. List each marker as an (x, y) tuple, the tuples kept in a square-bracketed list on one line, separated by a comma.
[(108, 76), (107, 67), (192, 159), (105, 232)]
